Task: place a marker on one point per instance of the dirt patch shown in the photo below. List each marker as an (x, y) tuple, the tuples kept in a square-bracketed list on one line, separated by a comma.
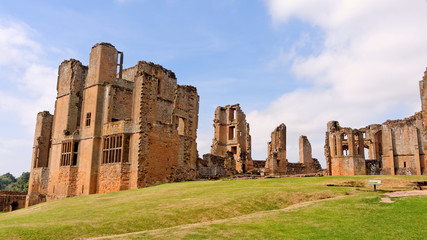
[(406, 193), (386, 200)]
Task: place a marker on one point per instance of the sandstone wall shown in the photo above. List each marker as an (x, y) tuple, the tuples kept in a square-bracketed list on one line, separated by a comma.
[(114, 130), (232, 136), (10, 201)]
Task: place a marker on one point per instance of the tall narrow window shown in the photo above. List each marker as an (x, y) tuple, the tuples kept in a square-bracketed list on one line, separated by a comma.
[(88, 117), (231, 131), (181, 126), (234, 150), (75, 152), (231, 116)]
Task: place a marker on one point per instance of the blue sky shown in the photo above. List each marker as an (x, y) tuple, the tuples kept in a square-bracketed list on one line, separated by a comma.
[(302, 63)]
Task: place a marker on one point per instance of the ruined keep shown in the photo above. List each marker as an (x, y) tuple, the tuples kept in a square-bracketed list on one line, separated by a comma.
[(232, 137), (277, 163), (393, 148), (111, 127)]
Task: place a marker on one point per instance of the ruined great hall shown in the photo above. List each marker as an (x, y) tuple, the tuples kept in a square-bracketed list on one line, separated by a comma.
[(116, 129)]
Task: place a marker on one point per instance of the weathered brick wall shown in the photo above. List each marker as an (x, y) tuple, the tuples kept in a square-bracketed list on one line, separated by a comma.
[(276, 162), (113, 177), (232, 135), (211, 167), (37, 186), (10, 201)]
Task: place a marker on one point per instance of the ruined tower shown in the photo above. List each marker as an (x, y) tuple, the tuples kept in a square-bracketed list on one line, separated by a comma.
[(305, 156), (232, 136), (276, 162), (111, 127)]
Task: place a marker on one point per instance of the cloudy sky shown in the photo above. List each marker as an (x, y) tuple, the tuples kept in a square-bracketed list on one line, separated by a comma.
[(298, 62)]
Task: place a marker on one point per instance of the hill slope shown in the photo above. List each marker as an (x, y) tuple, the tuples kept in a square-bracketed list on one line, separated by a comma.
[(177, 204)]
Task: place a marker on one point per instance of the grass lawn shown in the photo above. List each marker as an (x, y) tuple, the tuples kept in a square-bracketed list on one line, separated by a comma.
[(243, 206)]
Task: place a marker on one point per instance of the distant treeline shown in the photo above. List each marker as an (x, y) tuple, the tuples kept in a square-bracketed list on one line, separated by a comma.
[(10, 183)]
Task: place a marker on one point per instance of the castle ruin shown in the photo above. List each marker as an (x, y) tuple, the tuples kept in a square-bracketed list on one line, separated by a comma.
[(113, 129), (277, 163), (232, 137), (393, 148)]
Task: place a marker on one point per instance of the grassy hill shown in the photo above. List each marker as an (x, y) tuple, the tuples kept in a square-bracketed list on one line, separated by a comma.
[(286, 208)]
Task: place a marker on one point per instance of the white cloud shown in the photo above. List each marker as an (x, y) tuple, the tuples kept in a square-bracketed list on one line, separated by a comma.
[(15, 45), (371, 60), (28, 86)]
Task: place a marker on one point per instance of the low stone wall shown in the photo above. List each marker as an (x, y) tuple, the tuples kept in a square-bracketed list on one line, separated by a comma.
[(211, 166), (10, 201)]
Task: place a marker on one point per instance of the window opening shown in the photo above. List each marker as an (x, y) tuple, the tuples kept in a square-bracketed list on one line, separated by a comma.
[(231, 131), (234, 150), (344, 136), (112, 151), (404, 164), (366, 151), (345, 150), (69, 153), (14, 206), (181, 126), (88, 117), (231, 114), (120, 64), (75, 153)]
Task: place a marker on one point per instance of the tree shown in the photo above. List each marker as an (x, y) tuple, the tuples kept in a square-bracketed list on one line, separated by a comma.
[(5, 180), (10, 183)]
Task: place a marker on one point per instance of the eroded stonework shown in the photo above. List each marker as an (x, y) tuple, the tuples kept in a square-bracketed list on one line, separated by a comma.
[(394, 147), (11, 201), (277, 163), (113, 129), (232, 137)]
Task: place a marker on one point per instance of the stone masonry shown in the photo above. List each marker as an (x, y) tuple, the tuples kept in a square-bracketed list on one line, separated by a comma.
[(394, 147), (111, 127), (277, 163), (11, 201), (232, 137)]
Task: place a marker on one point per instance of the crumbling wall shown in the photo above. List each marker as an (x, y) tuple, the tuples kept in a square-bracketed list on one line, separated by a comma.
[(395, 147), (345, 147), (168, 120), (211, 166), (276, 162), (259, 167), (403, 146), (10, 201), (39, 175), (232, 136)]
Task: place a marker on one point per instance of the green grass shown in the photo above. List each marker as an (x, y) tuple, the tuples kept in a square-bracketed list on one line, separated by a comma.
[(351, 216), (354, 217)]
